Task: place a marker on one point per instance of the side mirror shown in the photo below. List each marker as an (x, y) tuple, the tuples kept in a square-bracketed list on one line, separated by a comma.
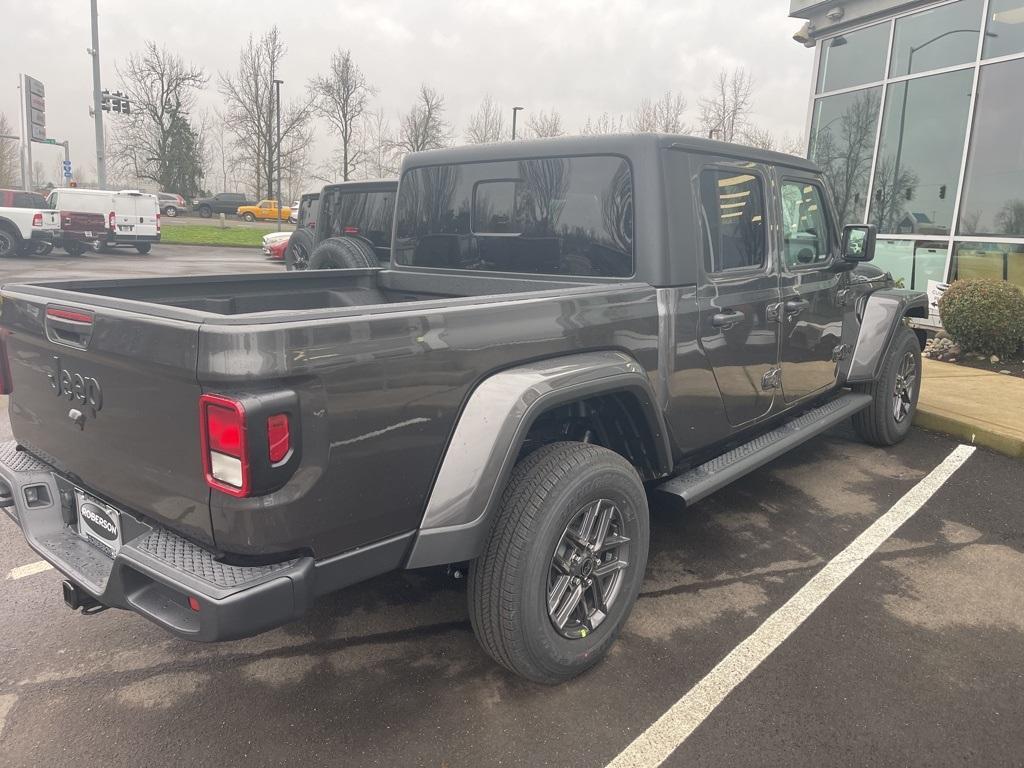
[(859, 242)]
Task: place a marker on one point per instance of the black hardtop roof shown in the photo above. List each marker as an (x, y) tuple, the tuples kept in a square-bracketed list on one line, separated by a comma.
[(627, 144), (391, 184)]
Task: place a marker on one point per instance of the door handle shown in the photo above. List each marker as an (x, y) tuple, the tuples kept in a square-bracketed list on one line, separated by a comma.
[(795, 306), (727, 319)]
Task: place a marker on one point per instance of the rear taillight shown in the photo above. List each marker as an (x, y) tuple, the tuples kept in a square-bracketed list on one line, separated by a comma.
[(37, 220), (279, 439), (111, 221), (6, 385), (222, 430), (351, 230), (158, 222), (181, 201)]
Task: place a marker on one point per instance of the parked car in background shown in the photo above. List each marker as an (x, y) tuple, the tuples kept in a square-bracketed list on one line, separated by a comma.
[(275, 244), (171, 204), (264, 210), (300, 244), (223, 202), (131, 217), (294, 217), (354, 214), (27, 225)]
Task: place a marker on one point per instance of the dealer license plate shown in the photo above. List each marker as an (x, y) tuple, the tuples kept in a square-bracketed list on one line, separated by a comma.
[(98, 523)]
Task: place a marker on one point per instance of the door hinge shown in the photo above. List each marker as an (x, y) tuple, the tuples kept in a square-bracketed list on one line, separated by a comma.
[(773, 311), (841, 352), (841, 296), (772, 379)]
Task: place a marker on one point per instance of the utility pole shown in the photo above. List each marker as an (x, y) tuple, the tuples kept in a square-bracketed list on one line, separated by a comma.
[(277, 86), (515, 111), (26, 131), (97, 107)]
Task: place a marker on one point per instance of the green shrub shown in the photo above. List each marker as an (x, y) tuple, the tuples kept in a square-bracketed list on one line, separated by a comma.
[(984, 316)]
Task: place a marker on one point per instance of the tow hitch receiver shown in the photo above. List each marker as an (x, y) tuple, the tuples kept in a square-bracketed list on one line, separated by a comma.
[(75, 597)]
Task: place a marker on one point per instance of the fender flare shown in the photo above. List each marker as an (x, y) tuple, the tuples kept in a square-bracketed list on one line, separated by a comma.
[(490, 432), (883, 313)]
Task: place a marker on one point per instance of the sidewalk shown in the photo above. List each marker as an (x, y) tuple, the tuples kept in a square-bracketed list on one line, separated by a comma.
[(979, 407)]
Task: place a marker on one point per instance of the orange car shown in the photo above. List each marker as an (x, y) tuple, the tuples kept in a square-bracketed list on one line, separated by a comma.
[(265, 210)]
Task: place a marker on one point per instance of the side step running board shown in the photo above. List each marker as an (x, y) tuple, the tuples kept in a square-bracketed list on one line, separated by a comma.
[(694, 484)]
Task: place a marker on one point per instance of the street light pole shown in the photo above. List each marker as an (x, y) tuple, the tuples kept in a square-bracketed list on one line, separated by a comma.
[(277, 86), (101, 160), (515, 111)]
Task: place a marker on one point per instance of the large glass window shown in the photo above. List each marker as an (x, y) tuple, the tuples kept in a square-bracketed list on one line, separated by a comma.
[(918, 165), (912, 263), (362, 214), (996, 261), (993, 199), (805, 231), (842, 141), (550, 216), (940, 37), (854, 58), (1005, 28), (732, 205)]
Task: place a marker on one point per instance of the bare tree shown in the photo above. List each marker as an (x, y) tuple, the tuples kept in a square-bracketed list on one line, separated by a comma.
[(1010, 219), (762, 138), (157, 140), (487, 124), (543, 125), (221, 156), (664, 115), (724, 114), (341, 98), (10, 168), (250, 113), (605, 123), (423, 126), (379, 147)]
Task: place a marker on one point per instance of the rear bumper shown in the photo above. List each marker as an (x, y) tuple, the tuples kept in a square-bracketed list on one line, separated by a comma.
[(156, 570), (125, 238), (45, 235)]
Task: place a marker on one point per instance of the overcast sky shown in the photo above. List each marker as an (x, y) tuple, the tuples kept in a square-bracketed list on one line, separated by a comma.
[(582, 57)]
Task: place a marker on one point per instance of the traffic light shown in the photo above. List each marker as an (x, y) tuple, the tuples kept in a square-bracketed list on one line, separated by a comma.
[(942, 192), (115, 102)]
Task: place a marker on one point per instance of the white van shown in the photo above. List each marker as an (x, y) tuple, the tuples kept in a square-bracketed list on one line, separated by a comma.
[(132, 217)]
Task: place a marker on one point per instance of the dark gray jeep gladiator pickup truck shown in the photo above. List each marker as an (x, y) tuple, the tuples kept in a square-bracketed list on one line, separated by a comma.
[(567, 325)]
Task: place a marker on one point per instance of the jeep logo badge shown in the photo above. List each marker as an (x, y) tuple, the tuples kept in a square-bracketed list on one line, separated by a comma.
[(99, 521), (76, 387)]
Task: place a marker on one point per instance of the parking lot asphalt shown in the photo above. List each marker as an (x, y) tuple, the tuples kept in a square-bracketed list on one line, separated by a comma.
[(916, 659)]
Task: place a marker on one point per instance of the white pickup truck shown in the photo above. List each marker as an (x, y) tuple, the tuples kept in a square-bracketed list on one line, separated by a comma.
[(25, 230)]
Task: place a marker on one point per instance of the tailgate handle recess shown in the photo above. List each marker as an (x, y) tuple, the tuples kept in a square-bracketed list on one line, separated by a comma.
[(71, 327)]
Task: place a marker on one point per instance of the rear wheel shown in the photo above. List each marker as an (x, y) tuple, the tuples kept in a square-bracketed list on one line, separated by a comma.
[(248, 217), (894, 393), (205, 211), (170, 211), (74, 248), (296, 255), (9, 243), (42, 248), (563, 564), (343, 253), (143, 248)]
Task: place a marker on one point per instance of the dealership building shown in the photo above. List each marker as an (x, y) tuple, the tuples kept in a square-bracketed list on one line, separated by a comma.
[(917, 119)]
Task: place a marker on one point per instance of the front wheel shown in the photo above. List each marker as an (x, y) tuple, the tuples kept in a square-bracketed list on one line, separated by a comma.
[(894, 393), (563, 564)]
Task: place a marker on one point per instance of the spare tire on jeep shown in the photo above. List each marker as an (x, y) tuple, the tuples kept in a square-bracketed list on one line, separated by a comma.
[(343, 253)]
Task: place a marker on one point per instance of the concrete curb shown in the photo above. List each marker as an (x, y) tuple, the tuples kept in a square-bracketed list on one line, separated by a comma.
[(971, 433)]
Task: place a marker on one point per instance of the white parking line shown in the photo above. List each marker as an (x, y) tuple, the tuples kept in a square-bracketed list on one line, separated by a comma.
[(28, 570), (653, 746)]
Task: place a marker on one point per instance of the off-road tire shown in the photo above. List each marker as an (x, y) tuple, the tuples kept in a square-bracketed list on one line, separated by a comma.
[(143, 248), (508, 583), (248, 217), (205, 211), (343, 253), (877, 424), (297, 253), (10, 243)]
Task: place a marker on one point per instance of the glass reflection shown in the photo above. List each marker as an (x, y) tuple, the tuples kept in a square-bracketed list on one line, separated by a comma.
[(912, 263), (842, 140), (918, 166), (940, 37), (995, 261), (993, 201), (1005, 28), (854, 58)]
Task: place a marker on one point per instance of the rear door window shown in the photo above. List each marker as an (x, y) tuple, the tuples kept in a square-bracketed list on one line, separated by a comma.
[(732, 212), (362, 214), (545, 216)]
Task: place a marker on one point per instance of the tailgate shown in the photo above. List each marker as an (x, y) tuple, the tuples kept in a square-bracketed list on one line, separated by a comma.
[(110, 398)]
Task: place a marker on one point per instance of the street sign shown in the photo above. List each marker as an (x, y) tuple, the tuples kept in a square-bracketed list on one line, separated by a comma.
[(38, 133), (38, 117), (35, 87), (35, 108), (37, 102), (49, 141), (67, 174), (67, 165)]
